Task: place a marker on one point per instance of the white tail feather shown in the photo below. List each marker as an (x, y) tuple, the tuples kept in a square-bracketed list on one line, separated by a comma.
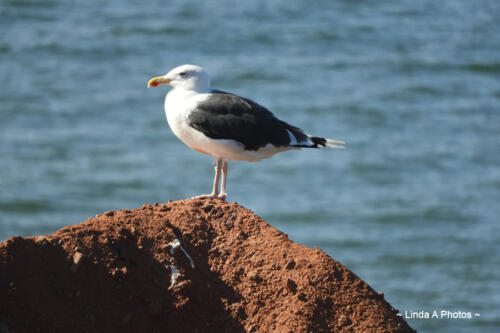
[(334, 144)]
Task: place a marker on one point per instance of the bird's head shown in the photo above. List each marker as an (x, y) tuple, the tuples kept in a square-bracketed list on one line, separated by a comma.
[(187, 77)]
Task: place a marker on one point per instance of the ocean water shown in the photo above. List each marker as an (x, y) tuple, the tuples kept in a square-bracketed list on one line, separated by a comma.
[(412, 205)]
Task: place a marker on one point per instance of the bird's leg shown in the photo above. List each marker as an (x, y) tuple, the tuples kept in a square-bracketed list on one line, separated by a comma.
[(215, 190), (222, 195), (218, 167)]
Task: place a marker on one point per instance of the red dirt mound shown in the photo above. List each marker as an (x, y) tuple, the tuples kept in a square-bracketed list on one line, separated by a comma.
[(185, 266)]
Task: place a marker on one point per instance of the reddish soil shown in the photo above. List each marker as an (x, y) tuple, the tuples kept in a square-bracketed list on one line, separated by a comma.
[(114, 273)]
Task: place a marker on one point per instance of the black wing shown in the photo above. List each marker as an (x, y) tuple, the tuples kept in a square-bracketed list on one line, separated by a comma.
[(227, 116)]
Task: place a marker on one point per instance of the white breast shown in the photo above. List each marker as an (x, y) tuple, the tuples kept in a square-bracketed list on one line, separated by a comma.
[(179, 104)]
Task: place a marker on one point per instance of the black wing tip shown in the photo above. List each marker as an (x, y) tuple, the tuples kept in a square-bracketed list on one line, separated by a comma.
[(314, 142), (318, 141)]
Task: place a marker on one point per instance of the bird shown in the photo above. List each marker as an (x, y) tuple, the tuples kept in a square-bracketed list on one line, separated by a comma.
[(226, 126)]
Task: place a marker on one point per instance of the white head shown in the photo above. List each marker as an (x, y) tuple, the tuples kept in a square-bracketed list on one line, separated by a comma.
[(187, 77)]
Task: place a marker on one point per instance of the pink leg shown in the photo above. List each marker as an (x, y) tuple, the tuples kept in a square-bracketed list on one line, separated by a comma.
[(215, 190), (223, 194)]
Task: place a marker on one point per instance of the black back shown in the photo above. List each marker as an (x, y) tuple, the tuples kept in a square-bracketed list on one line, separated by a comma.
[(227, 116)]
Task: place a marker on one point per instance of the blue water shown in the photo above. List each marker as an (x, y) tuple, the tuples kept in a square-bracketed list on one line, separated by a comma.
[(413, 87)]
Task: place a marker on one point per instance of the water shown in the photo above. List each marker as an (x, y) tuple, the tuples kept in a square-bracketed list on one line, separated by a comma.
[(413, 87)]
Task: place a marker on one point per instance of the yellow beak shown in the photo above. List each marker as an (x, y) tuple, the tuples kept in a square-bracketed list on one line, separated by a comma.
[(157, 81)]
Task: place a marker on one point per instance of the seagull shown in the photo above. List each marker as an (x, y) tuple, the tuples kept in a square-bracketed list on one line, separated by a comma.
[(226, 126)]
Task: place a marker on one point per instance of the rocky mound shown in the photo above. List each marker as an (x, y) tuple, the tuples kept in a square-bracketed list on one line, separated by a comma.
[(185, 266)]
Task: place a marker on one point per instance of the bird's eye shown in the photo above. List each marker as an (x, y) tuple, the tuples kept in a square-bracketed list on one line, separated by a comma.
[(183, 74)]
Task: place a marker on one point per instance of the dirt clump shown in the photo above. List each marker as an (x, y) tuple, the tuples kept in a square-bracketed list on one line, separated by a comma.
[(184, 266)]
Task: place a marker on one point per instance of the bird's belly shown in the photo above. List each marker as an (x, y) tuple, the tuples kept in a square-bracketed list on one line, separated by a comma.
[(229, 150)]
